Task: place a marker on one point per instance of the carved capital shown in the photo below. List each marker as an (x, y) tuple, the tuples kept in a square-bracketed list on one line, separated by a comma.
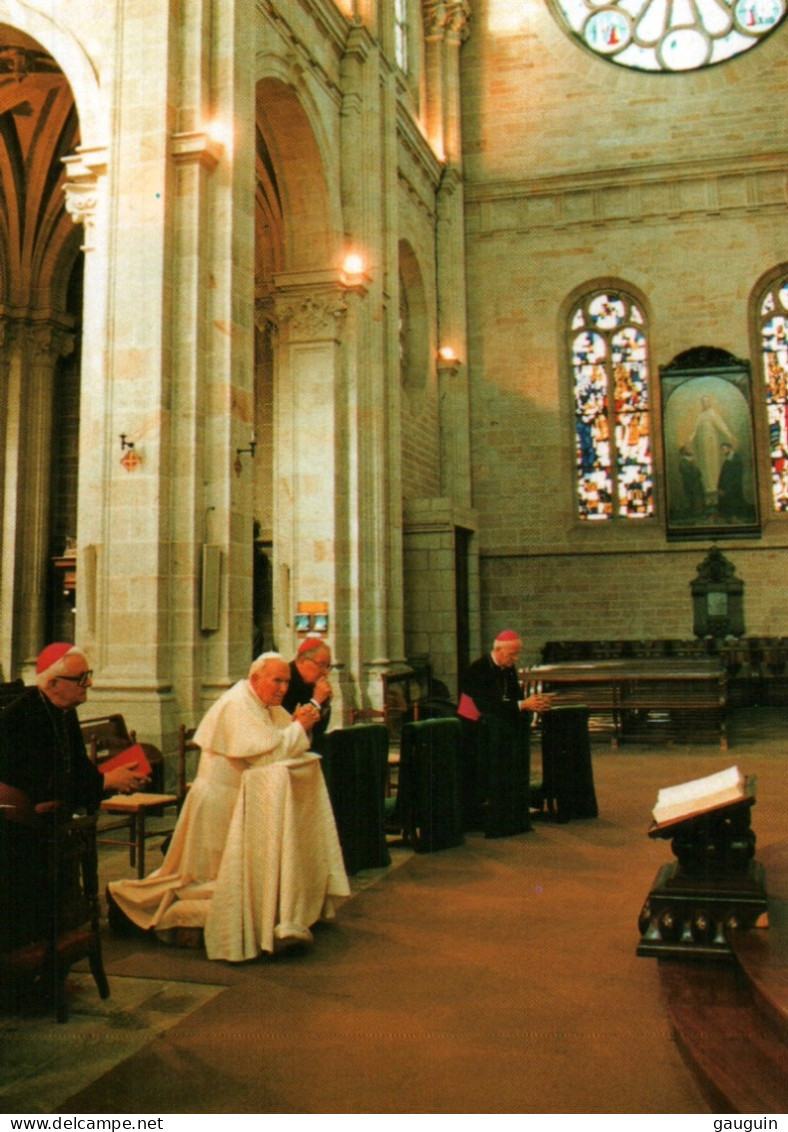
[(312, 308), (265, 320), (48, 342), (311, 317), (84, 170), (457, 21), (447, 19)]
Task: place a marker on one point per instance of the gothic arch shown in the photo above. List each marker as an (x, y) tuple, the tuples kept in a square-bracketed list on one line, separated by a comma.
[(38, 126), (72, 60), (308, 230), (40, 308)]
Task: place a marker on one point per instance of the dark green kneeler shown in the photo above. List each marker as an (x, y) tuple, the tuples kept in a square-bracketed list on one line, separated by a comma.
[(355, 767), (567, 774), (429, 800), (504, 774)]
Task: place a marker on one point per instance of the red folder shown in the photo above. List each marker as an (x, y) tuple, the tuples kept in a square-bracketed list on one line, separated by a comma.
[(133, 754), (467, 708)]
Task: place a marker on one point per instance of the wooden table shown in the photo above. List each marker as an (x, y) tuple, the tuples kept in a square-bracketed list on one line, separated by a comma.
[(677, 699)]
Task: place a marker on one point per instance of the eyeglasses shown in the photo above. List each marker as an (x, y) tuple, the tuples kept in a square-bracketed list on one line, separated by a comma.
[(83, 678)]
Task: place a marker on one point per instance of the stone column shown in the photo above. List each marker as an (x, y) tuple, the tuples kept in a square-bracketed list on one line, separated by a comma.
[(32, 350), (311, 458), (10, 446), (448, 28), (192, 459), (372, 368), (46, 343)]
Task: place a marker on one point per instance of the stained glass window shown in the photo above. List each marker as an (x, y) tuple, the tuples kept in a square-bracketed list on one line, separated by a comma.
[(609, 359), (669, 35), (774, 357)]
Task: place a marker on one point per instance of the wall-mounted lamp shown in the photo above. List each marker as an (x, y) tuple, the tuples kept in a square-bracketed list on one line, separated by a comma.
[(239, 452), (130, 459), (447, 359), (354, 272)]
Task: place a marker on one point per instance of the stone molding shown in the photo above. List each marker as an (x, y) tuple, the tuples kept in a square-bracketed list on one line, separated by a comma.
[(45, 338), (641, 195), (330, 21), (85, 170), (437, 514), (196, 148)]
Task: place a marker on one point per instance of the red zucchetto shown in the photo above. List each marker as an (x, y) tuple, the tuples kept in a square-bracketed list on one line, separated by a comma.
[(310, 643), (51, 655)]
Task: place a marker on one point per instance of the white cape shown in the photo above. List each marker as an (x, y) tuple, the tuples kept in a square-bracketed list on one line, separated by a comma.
[(255, 854)]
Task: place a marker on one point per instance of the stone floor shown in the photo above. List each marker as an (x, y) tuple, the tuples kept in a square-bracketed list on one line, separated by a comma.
[(44, 1064)]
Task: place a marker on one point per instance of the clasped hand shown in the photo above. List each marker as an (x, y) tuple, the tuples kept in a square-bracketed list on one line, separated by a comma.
[(322, 690), (538, 701), (307, 715)]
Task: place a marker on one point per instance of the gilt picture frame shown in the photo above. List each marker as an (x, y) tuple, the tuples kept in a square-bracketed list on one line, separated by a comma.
[(711, 484)]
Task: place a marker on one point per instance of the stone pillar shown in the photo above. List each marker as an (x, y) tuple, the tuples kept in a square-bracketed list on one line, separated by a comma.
[(46, 343), (86, 199), (11, 442), (32, 350), (167, 361), (372, 367), (311, 461), (198, 452), (448, 28)]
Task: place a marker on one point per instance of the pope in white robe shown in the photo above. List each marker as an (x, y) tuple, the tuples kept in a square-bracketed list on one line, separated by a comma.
[(255, 859)]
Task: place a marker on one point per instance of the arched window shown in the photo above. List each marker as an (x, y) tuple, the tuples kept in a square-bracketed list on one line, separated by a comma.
[(401, 36), (610, 373), (773, 331)]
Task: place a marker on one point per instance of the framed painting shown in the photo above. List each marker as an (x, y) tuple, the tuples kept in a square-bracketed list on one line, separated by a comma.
[(709, 447)]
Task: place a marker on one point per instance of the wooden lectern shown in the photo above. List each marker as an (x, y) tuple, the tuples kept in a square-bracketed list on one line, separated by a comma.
[(714, 886)]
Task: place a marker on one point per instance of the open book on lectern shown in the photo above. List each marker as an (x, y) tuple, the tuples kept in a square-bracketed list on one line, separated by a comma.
[(675, 803)]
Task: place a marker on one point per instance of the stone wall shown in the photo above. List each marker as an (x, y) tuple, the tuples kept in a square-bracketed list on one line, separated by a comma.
[(579, 171)]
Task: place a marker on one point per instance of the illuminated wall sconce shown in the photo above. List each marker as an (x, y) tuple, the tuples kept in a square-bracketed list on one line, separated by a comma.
[(239, 452), (354, 272), (448, 360), (130, 459)]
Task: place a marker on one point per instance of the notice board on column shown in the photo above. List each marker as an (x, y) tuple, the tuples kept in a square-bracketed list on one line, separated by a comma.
[(311, 618)]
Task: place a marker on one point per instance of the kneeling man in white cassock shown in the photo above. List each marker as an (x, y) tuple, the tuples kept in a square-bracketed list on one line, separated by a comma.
[(255, 859)]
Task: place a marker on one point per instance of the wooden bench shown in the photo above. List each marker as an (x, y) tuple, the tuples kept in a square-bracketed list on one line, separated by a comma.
[(676, 699)]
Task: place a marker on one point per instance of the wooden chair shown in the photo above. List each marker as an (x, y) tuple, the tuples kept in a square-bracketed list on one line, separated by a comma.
[(375, 715), (367, 715), (68, 920), (10, 691), (110, 735), (186, 747)]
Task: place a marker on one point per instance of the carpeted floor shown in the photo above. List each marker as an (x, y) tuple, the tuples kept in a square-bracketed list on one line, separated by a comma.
[(499, 977)]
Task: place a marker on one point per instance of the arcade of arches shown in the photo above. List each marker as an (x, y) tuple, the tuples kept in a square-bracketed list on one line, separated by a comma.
[(283, 330)]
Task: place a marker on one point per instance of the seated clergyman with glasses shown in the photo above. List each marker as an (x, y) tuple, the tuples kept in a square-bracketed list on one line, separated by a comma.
[(309, 682), (43, 761)]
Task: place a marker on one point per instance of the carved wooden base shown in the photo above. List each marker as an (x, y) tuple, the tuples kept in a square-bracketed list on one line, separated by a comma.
[(686, 917)]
